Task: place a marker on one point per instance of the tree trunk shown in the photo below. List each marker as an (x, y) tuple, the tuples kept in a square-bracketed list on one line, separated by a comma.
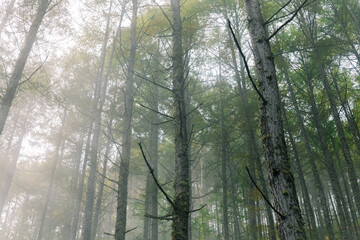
[(307, 202), (182, 179), (101, 189), (224, 162), (100, 92), (290, 224), (9, 95), (329, 162), (318, 183), (10, 171), (57, 159), (120, 225)]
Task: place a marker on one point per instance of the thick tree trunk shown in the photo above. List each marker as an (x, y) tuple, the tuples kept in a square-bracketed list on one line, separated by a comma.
[(120, 224), (8, 97), (290, 224), (182, 178)]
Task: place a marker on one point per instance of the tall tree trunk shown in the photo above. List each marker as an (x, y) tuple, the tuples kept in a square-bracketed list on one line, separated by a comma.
[(120, 224), (290, 224), (80, 188), (224, 162), (97, 107), (8, 97), (182, 178), (10, 171), (101, 189), (318, 183), (329, 161), (307, 202), (57, 160)]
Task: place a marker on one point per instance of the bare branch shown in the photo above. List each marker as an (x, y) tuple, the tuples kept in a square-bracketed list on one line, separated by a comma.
[(195, 210), (289, 20), (162, 114), (267, 200), (166, 217), (268, 21), (154, 177), (163, 12), (245, 62)]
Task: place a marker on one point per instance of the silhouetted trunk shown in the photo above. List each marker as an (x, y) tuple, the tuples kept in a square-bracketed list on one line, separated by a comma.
[(56, 161), (120, 224), (290, 224), (8, 97), (182, 179)]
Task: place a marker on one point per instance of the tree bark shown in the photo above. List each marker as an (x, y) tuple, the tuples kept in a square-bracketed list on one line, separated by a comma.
[(290, 224), (120, 224), (8, 97), (182, 179)]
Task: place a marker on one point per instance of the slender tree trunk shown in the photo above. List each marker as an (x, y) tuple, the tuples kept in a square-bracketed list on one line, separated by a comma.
[(182, 179), (224, 162), (57, 160), (120, 224), (76, 217), (307, 202), (101, 189), (290, 224), (8, 97), (9, 172), (96, 114), (329, 162), (318, 183)]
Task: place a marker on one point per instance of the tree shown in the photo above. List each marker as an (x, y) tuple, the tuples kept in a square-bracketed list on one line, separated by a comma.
[(16, 75), (290, 222)]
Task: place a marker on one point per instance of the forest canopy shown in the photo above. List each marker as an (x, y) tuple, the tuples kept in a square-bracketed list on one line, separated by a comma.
[(179, 119)]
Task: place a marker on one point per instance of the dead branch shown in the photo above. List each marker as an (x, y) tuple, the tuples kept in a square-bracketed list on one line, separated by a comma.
[(265, 198), (245, 62), (154, 177)]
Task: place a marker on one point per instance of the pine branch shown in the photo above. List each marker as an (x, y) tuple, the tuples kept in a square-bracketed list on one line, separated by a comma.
[(268, 21)]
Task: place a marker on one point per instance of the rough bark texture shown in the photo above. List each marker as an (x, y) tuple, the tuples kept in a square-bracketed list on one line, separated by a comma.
[(290, 225), (15, 77), (182, 181), (120, 224)]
